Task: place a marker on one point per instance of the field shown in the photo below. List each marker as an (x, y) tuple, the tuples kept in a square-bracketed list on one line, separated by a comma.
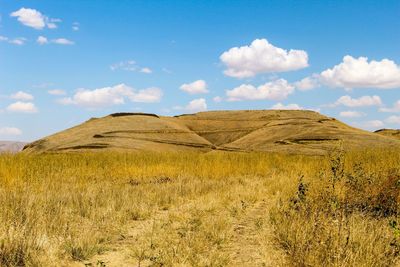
[(194, 209)]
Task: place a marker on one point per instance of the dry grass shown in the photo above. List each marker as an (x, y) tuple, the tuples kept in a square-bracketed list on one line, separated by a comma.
[(346, 215), (191, 209), (390, 133)]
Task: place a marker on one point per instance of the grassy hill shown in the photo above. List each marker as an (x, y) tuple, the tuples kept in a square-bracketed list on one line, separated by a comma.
[(390, 133), (291, 131)]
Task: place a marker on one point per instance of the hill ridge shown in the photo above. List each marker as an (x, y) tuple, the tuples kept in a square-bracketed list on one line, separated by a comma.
[(292, 131)]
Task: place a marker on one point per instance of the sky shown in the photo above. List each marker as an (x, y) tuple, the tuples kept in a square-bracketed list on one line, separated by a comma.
[(63, 62)]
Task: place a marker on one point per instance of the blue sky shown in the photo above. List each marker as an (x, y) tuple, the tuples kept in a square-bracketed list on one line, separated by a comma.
[(62, 62)]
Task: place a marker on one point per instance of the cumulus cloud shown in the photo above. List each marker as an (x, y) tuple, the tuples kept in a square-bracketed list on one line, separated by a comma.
[(22, 107), (307, 83), (34, 19), (262, 57), (196, 105), (364, 101), (9, 131), (149, 95), (109, 96), (196, 87), (393, 120), (351, 114), (42, 40), (287, 107), (395, 108), (275, 90), (56, 92), (22, 96), (62, 41), (361, 73)]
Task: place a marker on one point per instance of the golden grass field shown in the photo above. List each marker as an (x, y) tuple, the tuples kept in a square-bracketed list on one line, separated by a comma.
[(200, 209)]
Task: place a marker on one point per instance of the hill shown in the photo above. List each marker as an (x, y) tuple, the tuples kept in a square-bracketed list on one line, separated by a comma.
[(10, 146), (292, 131), (390, 133)]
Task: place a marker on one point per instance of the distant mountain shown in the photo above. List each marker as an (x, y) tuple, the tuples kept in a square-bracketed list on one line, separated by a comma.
[(291, 131), (10, 146), (390, 133)]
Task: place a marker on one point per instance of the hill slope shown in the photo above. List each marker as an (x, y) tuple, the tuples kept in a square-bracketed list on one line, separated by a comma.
[(390, 133), (292, 131)]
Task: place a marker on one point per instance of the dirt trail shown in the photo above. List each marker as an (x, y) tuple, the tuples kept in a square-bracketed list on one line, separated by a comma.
[(121, 254), (252, 241)]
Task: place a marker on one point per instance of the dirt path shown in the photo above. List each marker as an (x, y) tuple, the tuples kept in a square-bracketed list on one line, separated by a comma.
[(252, 241), (121, 254)]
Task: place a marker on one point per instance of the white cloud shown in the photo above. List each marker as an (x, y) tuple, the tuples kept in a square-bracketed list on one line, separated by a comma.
[(15, 41), (146, 70), (9, 131), (287, 107), (42, 40), (364, 101), (217, 99), (22, 107), (275, 90), (109, 96), (393, 120), (34, 19), (149, 95), (307, 83), (196, 105), (56, 92), (261, 57), (196, 87), (30, 17), (22, 96), (395, 108), (351, 114), (359, 73), (373, 124), (51, 25), (62, 41), (18, 41), (130, 65)]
